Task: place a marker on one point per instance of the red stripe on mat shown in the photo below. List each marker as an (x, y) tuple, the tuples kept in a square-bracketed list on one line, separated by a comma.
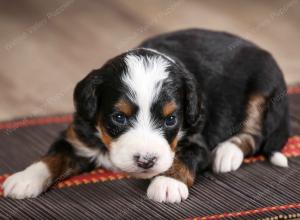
[(294, 90), (292, 149), (11, 125), (68, 118), (248, 212)]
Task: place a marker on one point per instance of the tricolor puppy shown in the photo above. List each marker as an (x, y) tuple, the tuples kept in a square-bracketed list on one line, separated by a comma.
[(166, 110)]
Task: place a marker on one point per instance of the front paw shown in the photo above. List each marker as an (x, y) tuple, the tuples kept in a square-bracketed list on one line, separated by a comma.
[(167, 189), (227, 157), (28, 183)]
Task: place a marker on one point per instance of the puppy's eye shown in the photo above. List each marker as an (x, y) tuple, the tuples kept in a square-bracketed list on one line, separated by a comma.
[(119, 118), (170, 121)]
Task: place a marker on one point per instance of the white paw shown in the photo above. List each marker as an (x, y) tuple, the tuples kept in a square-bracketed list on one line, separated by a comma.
[(227, 157), (279, 159), (28, 183), (167, 189)]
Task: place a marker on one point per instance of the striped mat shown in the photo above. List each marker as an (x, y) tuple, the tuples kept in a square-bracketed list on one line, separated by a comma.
[(256, 191)]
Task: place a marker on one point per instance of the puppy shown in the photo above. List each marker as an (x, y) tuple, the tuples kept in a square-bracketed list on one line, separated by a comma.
[(167, 110)]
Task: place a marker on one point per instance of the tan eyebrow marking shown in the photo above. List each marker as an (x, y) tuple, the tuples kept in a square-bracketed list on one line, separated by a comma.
[(169, 108), (125, 107)]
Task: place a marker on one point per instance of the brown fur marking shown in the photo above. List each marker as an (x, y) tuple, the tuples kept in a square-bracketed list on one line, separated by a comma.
[(106, 139), (71, 134), (174, 143), (169, 108), (59, 166), (125, 107), (255, 113), (252, 125), (72, 137), (245, 142), (180, 172)]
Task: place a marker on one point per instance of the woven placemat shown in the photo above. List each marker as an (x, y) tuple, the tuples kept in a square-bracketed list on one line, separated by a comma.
[(256, 191)]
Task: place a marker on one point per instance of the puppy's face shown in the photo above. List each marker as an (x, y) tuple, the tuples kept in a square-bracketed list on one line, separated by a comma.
[(139, 116)]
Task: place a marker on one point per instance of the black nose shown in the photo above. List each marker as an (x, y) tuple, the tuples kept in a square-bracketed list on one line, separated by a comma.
[(145, 162)]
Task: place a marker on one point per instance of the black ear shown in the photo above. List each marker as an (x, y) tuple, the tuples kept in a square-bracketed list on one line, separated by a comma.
[(194, 109), (85, 95)]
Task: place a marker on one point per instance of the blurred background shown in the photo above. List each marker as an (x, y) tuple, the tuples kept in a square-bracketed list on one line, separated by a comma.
[(46, 47)]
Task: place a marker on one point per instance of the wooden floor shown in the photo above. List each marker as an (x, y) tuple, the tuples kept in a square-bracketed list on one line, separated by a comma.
[(47, 46)]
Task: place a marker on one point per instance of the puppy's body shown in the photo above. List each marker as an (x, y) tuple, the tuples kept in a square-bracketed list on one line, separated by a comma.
[(162, 109)]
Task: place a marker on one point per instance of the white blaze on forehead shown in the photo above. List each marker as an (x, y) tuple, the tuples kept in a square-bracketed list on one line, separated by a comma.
[(144, 78)]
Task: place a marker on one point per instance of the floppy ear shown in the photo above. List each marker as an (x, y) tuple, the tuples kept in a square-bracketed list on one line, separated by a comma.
[(85, 95), (194, 109)]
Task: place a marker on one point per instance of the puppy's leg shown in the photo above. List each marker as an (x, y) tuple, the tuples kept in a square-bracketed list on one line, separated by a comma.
[(60, 162), (229, 155), (277, 130), (172, 186)]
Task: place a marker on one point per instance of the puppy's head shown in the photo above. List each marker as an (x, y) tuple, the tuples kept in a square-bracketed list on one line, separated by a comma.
[(141, 103)]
